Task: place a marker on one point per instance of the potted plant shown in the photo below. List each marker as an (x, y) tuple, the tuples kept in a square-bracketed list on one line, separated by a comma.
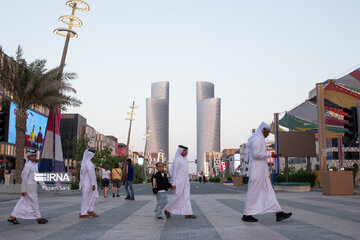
[(237, 180)]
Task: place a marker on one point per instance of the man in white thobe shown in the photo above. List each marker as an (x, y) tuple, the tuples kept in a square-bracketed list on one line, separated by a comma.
[(88, 186), (180, 202), (260, 197), (28, 205)]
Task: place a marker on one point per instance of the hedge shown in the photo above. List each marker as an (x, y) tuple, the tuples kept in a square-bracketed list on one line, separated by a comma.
[(214, 179), (299, 176)]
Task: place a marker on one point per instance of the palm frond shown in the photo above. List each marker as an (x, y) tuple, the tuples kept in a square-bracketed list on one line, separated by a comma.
[(32, 84)]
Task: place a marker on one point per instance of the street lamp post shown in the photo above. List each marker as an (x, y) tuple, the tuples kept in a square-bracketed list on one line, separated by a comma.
[(131, 119), (146, 136), (71, 21)]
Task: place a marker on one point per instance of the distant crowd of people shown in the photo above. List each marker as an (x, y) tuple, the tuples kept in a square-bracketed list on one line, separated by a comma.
[(115, 178)]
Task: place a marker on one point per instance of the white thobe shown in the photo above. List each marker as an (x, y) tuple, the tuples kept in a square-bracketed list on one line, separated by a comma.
[(260, 197), (90, 198), (180, 201), (28, 206)]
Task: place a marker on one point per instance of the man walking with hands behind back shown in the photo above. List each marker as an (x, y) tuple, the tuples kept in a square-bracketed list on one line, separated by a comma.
[(260, 197)]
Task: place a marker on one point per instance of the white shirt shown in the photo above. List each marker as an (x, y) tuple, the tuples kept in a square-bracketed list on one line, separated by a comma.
[(105, 173)]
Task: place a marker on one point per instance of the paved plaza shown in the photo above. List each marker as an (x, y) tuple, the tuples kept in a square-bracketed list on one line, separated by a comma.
[(219, 210)]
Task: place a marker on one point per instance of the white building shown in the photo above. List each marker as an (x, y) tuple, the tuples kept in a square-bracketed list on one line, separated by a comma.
[(212, 164)]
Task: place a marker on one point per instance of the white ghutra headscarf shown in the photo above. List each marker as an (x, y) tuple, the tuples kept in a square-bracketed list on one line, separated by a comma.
[(88, 155), (177, 155), (27, 162), (258, 132), (29, 152)]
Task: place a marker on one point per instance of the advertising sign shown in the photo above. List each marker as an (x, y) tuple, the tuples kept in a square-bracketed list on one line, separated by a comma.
[(141, 161), (237, 162), (297, 144), (35, 128), (223, 166)]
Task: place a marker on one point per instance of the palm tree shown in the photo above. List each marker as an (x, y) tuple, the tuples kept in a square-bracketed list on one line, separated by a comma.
[(31, 85)]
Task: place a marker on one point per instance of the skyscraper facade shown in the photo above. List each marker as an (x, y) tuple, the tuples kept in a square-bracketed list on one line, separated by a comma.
[(157, 119), (208, 123)]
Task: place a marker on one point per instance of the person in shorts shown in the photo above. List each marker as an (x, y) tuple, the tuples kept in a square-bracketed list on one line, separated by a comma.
[(105, 179), (116, 179)]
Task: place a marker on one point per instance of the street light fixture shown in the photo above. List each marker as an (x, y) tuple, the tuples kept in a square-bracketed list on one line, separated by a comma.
[(71, 21), (73, 4)]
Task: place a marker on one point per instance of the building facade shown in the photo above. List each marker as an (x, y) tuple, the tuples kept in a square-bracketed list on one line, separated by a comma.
[(90, 133), (152, 159), (121, 149), (103, 141), (74, 127), (157, 119), (212, 164), (208, 111)]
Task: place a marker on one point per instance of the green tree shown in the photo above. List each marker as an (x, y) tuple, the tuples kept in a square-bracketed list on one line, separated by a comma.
[(103, 157), (138, 174), (31, 85)]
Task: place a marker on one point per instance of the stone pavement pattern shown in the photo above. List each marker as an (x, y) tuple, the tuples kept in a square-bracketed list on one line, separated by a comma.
[(219, 210)]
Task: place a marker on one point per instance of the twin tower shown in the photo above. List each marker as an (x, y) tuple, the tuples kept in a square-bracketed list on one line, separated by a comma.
[(208, 121)]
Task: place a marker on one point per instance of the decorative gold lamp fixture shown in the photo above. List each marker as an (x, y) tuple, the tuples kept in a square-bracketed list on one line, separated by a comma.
[(72, 20)]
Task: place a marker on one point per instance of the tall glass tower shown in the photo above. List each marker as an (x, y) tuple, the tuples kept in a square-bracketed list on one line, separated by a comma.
[(157, 119), (208, 122)]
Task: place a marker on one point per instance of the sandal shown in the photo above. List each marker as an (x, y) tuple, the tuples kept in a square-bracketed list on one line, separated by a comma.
[(167, 214), (14, 221), (42, 221), (83, 216), (190, 216), (93, 214)]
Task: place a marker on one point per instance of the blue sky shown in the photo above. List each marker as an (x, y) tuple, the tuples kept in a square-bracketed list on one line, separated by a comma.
[(263, 56)]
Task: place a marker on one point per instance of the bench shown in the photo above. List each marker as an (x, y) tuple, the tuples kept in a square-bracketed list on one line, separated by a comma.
[(228, 183), (292, 186)]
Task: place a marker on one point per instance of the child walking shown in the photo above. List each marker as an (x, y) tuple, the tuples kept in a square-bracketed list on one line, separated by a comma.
[(28, 205), (160, 184)]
